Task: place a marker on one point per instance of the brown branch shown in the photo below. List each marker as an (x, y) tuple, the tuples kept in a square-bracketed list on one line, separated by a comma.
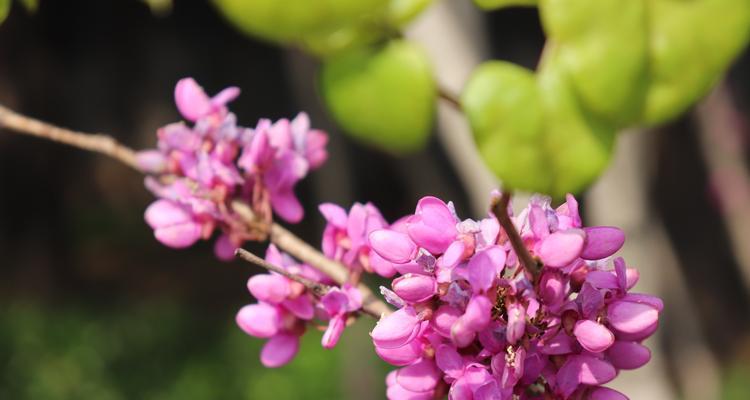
[(449, 97), (500, 209), (92, 142), (284, 239), (316, 288)]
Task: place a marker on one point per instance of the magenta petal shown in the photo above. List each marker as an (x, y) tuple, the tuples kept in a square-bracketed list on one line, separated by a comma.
[(332, 334), (269, 288), (397, 392), (335, 301), (224, 248), (259, 320), (602, 280), (461, 333), (225, 96), (433, 226), (179, 236), (414, 288), (628, 317), (401, 356), (604, 393), (443, 319), (279, 350), (162, 213), (453, 254), (561, 343), (593, 336), (301, 306), (489, 391), (516, 322), (449, 361), (641, 298), (484, 267), (561, 248), (602, 242), (421, 376), (628, 355), (381, 266), (286, 205), (477, 314), (393, 246), (191, 100), (397, 329), (595, 371), (334, 214)]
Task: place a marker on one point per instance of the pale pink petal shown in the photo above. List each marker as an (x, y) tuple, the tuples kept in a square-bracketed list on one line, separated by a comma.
[(433, 226), (393, 246), (397, 329), (179, 236), (477, 314), (259, 320), (151, 161), (629, 317), (516, 322), (414, 288), (279, 350), (593, 336), (332, 334), (334, 214), (561, 248), (403, 355), (484, 268), (191, 100), (449, 361), (421, 376), (269, 288)]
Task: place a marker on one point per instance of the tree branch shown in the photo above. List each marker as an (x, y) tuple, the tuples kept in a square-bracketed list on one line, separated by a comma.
[(316, 288), (92, 142), (448, 97), (500, 209), (108, 146)]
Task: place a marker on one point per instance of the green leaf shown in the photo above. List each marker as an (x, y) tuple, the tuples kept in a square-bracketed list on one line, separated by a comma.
[(401, 12), (294, 20), (603, 46), (382, 96), (502, 104), (692, 43), (530, 129), (4, 9), (495, 4)]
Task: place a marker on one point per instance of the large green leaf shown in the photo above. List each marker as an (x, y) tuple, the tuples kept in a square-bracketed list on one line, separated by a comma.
[(384, 96), (401, 12), (692, 43), (495, 4), (294, 20), (4, 9), (603, 46), (531, 131)]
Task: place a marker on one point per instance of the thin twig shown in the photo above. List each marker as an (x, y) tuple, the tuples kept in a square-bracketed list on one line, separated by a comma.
[(500, 209), (316, 288), (284, 239), (92, 142), (449, 97)]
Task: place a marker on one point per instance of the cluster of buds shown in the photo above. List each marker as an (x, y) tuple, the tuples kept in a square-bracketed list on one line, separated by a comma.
[(287, 304), (476, 323), (198, 171)]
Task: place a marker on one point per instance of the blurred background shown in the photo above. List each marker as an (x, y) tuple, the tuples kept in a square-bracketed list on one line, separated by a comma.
[(92, 307)]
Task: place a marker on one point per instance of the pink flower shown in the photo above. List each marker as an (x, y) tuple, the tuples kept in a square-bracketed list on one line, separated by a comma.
[(204, 168), (338, 305)]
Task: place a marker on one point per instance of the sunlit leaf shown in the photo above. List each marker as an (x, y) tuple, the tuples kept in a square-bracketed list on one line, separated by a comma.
[(495, 4), (401, 12), (4, 9), (384, 96)]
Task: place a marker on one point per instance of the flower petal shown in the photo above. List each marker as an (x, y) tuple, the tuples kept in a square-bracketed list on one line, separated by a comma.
[(279, 350)]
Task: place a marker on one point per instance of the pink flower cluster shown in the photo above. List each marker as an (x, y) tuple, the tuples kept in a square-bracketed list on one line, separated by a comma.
[(285, 308), (472, 322), (197, 171)]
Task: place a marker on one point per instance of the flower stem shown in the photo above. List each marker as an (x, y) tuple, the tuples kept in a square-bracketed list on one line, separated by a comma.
[(108, 146), (92, 142), (500, 209), (318, 289)]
